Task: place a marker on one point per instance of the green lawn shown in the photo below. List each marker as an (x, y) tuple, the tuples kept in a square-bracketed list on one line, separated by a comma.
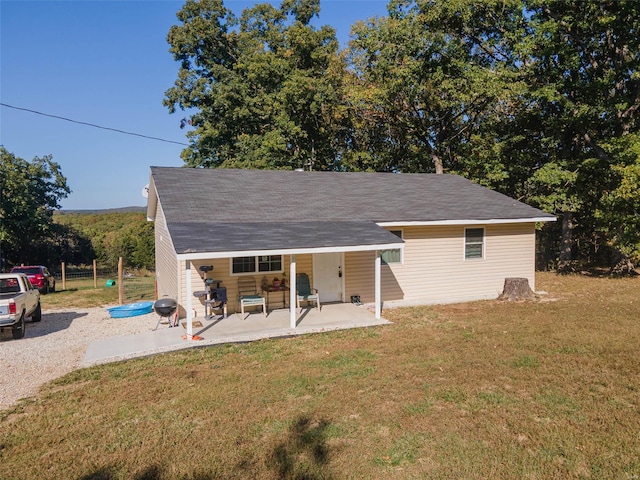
[(483, 390), (80, 293)]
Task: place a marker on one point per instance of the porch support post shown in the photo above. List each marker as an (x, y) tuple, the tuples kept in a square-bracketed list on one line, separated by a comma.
[(187, 273), (292, 293), (378, 299)]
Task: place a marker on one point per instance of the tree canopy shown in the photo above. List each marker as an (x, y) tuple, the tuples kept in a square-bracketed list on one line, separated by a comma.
[(113, 235), (29, 193), (264, 89), (538, 99), (580, 63), (33, 231), (431, 76)]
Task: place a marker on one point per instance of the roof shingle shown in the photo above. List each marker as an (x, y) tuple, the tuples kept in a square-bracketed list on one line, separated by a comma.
[(232, 210)]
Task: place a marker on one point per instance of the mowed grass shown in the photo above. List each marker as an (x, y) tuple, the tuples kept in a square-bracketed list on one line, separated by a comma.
[(483, 390), (81, 293)]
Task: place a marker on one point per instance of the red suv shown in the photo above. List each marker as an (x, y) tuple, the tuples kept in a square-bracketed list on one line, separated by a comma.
[(39, 277)]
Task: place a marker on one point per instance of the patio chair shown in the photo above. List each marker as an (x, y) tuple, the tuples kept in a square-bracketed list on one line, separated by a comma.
[(248, 295), (305, 292)]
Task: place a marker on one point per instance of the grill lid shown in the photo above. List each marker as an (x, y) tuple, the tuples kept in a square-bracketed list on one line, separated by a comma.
[(165, 306)]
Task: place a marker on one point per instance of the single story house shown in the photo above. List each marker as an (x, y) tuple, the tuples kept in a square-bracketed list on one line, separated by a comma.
[(397, 239)]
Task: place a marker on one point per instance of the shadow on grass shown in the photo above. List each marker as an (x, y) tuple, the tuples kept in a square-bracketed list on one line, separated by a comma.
[(304, 453), (598, 272), (104, 473), (153, 472)]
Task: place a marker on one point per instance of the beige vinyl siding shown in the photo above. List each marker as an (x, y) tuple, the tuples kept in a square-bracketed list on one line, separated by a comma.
[(304, 264), (435, 270), (360, 277), (222, 271), (166, 262)]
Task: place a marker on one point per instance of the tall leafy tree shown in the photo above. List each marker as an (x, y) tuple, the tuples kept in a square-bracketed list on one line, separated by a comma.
[(261, 91), (581, 64), (536, 98), (29, 193), (68, 245), (618, 211), (428, 77), (529, 97)]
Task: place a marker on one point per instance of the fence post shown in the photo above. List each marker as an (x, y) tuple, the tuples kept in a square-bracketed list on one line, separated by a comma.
[(120, 283), (64, 277), (95, 274)]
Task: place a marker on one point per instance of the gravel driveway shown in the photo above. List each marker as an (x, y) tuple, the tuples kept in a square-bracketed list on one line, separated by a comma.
[(56, 346)]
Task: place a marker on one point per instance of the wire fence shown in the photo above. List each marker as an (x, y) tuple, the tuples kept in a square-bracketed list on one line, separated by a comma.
[(139, 288), (133, 286)]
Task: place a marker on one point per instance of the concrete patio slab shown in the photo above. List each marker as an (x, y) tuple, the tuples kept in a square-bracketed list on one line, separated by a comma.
[(233, 329)]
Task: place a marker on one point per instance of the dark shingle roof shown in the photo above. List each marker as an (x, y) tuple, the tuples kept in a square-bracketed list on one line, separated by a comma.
[(224, 209), (193, 237)]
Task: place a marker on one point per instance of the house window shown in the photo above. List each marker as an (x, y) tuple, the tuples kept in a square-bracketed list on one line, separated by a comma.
[(243, 264), (394, 255), (263, 263), (270, 263), (473, 243)]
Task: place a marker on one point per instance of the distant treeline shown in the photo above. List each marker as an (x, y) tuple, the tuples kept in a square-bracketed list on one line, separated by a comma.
[(34, 232), (105, 237), (104, 211)]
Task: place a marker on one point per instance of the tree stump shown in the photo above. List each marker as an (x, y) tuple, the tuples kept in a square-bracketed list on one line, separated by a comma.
[(621, 265), (516, 289)]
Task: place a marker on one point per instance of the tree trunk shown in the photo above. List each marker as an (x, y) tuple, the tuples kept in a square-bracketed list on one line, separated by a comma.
[(516, 289), (437, 163), (564, 260)]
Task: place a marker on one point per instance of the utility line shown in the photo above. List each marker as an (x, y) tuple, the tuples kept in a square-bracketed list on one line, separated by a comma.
[(93, 125)]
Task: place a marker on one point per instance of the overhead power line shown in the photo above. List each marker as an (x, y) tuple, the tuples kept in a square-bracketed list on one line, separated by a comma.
[(93, 125)]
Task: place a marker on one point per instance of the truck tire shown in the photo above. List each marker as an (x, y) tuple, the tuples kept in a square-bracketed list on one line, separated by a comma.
[(18, 329), (37, 313)]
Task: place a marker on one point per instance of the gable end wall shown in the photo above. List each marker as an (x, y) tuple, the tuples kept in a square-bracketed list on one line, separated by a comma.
[(166, 262)]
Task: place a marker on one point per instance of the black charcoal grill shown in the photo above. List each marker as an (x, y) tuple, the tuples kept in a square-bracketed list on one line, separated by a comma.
[(166, 308)]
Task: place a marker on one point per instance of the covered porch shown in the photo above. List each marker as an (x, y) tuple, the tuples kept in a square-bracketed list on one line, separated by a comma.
[(233, 329), (289, 242)]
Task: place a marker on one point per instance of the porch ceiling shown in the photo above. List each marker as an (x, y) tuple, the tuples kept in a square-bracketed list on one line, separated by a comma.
[(230, 237)]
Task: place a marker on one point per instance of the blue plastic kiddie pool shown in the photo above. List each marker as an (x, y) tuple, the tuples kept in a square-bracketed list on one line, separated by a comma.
[(131, 310)]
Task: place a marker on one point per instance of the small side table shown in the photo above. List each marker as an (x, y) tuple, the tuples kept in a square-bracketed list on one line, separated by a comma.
[(269, 289)]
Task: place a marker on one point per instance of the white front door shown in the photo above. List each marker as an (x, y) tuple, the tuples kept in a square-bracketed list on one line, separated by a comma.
[(328, 275)]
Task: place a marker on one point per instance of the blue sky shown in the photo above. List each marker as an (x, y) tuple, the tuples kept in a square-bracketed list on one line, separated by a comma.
[(104, 63)]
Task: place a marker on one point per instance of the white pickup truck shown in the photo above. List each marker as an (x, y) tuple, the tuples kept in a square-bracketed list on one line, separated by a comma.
[(18, 300)]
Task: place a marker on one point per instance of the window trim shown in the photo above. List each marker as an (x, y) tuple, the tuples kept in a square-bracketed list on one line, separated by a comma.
[(401, 237), (467, 243), (256, 271)]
